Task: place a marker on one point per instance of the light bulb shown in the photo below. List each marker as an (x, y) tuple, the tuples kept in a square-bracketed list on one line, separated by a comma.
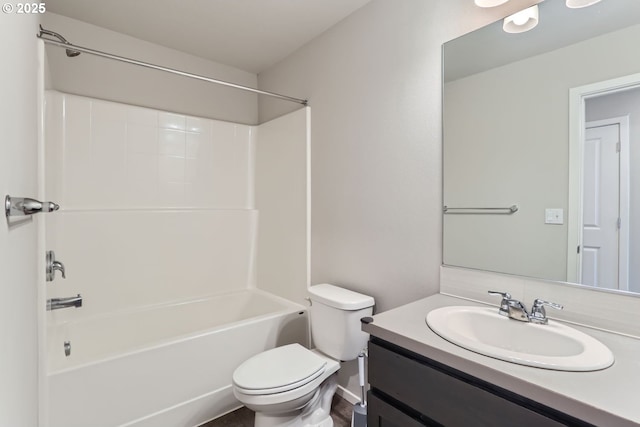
[(521, 21), (520, 18)]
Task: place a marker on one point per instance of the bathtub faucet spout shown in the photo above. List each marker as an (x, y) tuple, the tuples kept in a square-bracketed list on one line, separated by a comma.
[(57, 303)]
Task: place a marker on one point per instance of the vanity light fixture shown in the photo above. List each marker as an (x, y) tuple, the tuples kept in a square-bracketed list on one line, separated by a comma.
[(522, 21), (576, 4), (490, 3)]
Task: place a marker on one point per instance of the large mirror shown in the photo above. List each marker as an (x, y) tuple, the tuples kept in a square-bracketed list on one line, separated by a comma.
[(542, 147)]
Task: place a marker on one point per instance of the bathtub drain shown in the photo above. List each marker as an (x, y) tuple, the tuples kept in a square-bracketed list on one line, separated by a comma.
[(67, 348)]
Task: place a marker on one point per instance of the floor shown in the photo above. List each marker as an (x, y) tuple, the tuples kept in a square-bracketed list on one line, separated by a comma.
[(243, 417)]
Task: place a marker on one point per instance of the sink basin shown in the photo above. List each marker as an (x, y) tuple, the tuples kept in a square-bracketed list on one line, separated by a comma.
[(552, 346)]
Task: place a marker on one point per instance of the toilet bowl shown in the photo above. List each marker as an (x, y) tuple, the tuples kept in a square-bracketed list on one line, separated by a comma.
[(281, 381), (292, 386)]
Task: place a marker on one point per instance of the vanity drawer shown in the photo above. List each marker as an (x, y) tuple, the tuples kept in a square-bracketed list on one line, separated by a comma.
[(382, 414), (443, 398)]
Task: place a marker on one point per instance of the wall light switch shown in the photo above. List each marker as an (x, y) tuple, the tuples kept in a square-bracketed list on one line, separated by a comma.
[(554, 216)]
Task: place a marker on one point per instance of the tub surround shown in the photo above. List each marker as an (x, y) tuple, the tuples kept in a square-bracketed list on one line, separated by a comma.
[(603, 397), (165, 198), (282, 196), (161, 225), (148, 200)]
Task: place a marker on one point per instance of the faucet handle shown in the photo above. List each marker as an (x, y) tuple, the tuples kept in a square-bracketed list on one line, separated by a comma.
[(52, 265), (504, 304), (538, 313)]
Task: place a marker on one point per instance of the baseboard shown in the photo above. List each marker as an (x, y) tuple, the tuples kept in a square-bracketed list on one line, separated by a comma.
[(347, 395)]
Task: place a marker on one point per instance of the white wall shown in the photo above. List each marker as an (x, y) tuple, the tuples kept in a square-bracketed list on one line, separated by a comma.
[(617, 105), (507, 136), (115, 81), (374, 86), (18, 239), (155, 206)]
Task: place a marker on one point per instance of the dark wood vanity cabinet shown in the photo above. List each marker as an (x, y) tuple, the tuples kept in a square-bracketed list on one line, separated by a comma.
[(409, 390)]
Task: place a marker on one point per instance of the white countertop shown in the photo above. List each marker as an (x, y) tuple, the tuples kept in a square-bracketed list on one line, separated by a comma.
[(608, 398)]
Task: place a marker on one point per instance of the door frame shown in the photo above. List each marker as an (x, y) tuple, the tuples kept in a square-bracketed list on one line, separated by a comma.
[(43, 384), (577, 127)]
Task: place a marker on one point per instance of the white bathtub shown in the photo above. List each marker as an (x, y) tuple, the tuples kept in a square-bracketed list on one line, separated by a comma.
[(162, 366)]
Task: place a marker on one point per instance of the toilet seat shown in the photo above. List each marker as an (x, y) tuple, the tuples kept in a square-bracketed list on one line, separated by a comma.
[(278, 370), (286, 401)]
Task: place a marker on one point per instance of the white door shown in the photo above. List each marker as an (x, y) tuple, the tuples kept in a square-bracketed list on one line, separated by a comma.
[(18, 240), (601, 206)]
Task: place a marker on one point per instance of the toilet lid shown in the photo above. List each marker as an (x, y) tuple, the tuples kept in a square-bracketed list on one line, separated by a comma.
[(278, 370)]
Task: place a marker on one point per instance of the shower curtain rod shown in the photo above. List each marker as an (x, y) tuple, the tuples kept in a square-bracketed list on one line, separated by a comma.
[(70, 46)]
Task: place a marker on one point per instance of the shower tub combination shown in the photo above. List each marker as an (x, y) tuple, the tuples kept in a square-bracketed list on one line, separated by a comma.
[(157, 339), (159, 335), (169, 365)]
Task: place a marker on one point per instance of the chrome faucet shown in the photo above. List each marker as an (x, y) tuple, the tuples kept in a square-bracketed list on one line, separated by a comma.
[(58, 303), (516, 310)]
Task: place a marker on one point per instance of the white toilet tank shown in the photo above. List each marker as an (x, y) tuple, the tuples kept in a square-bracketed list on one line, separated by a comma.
[(335, 320)]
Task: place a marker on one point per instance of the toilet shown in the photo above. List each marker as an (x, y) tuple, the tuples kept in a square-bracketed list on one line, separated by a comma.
[(292, 386)]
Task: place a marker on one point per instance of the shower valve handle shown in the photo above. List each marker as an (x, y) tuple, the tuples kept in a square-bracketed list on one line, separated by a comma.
[(53, 265)]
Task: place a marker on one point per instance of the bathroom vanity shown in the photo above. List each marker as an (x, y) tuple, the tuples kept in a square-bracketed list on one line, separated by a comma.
[(418, 378)]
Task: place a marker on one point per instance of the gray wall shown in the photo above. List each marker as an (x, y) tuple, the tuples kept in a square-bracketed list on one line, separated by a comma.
[(374, 85), (617, 105)]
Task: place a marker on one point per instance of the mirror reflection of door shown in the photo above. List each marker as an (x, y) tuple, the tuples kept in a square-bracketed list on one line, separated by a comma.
[(605, 204), (604, 184)]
